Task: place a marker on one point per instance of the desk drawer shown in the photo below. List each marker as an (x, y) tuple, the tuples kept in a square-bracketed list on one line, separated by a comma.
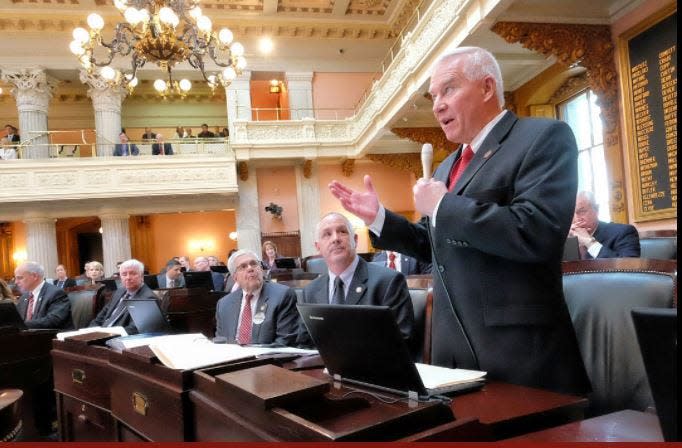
[(84, 379), (82, 422)]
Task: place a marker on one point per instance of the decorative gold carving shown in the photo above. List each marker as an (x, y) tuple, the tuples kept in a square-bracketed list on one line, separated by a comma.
[(347, 167), (307, 169), (140, 403), (243, 170), (591, 47), (509, 103), (570, 87), (409, 162), (435, 136)]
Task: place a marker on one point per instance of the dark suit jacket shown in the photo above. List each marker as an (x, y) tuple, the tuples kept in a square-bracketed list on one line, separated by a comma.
[(149, 136), (408, 265), (618, 240), (133, 150), (218, 281), (167, 149), (52, 309), (371, 285), (278, 302), (498, 243), (179, 283), (124, 320), (14, 139), (68, 283)]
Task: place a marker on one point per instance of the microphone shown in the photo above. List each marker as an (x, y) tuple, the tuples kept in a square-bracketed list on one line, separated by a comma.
[(427, 159)]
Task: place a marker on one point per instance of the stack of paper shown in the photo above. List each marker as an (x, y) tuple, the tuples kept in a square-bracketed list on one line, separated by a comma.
[(436, 377), (112, 330)]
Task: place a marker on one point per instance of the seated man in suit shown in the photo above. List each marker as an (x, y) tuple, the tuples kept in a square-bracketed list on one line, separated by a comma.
[(41, 305), (350, 280), (157, 147), (202, 264), (115, 313), (258, 312), (63, 281), (598, 239), (402, 263), (124, 148), (173, 277)]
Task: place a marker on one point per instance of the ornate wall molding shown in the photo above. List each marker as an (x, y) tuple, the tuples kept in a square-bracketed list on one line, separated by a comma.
[(570, 87), (347, 167), (591, 47), (509, 102), (435, 136), (408, 162)]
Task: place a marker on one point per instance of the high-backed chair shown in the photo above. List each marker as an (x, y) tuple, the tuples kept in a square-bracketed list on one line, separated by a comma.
[(422, 303), (83, 300), (316, 264), (600, 295), (10, 414), (660, 248)]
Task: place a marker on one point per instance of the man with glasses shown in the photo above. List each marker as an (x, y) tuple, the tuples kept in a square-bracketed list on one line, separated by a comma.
[(258, 312)]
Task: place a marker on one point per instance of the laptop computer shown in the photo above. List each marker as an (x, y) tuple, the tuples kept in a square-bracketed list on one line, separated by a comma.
[(571, 251), (152, 281), (285, 263), (10, 317), (362, 344), (109, 284), (220, 269), (657, 335), (199, 279), (147, 316)]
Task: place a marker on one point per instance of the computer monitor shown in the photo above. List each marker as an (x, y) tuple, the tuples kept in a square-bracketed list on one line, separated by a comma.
[(219, 269), (285, 263), (109, 284), (147, 316), (10, 317), (199, 279), (152, 281)]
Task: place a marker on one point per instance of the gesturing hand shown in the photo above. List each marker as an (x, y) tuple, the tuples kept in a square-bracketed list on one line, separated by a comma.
[(364, 205)]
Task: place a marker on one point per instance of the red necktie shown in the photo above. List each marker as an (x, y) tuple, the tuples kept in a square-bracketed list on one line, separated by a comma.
[(459, 166), (29, 310), (391, 260), (244, 336)]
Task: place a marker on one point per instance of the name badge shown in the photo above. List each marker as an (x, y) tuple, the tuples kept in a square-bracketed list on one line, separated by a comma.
[(259, 317)]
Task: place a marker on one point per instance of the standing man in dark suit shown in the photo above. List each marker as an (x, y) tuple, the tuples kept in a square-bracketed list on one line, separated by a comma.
[(41, 305), (401, 263), (173, 277), (598, 239), (12, 135), (63, 281), (202, 264), (115, 313), (156, 147), (258, 312), (124, 148), (350, 280), (498, 211), (148, 134)]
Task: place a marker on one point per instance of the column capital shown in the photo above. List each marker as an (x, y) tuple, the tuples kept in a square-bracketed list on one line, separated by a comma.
[(32, 88), (105, 97)]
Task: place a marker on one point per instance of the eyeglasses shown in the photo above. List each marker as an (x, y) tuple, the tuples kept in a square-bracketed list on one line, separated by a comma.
[(248, 264)]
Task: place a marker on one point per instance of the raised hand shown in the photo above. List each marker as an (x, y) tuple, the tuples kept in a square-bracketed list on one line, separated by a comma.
[(364, 205)]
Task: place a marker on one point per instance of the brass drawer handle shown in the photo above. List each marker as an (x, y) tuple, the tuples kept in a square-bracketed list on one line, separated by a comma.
[(78, 376), (140, 403)]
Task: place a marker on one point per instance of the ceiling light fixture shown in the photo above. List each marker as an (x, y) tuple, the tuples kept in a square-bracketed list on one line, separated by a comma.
[(165, 32)]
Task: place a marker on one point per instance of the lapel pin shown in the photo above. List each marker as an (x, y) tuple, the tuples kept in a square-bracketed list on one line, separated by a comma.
[(487, 154), (358, 289)]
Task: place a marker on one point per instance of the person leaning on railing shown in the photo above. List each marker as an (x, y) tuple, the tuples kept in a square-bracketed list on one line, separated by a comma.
[(7, 150)]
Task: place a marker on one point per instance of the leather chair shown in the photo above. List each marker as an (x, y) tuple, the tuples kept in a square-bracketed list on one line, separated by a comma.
[(600, 295), (660, 248), (316, 264), (422, 303)]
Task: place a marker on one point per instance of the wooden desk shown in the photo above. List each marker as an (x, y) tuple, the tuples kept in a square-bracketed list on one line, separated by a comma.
[(622, 426)]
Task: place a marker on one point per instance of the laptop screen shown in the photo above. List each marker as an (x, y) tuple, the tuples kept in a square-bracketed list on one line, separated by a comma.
[(285, 263), (147, 316), (362, 344), (199, 279), (9, 316)]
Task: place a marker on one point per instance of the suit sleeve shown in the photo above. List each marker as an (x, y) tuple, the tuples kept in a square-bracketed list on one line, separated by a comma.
[(303, 338), (58, 313), (218, 319), (287, 320), (626, 245)]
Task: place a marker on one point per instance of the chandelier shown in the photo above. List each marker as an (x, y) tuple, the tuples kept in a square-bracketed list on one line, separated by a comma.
[(165, 32)]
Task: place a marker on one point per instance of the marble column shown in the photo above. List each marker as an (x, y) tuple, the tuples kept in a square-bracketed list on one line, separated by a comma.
[(248, 219), (106, 101), (300, 88), (32, 90), (41, 243), (115, 240), (308, 197), (238, 97)]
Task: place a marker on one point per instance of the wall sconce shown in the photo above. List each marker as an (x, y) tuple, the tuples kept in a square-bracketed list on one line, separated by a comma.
[(275, 210), (201, 245), (233, 236), (19, 256), (275, 86)]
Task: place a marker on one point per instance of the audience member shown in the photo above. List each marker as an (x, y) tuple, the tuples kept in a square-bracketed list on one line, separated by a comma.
[(224, 133), (172, 277), (205, 133), (185, 263), (12, 135), (124, 148), (599, 239), (213, 260), (201, 264), (115, 313), (402, 263), (63, 281), (179, 132), (351, 280), (497, 212), (269, 255), (156, 147), (41, 304), (148, 134), (188, 133), (7, 150), (259, 312), (94, 271)]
